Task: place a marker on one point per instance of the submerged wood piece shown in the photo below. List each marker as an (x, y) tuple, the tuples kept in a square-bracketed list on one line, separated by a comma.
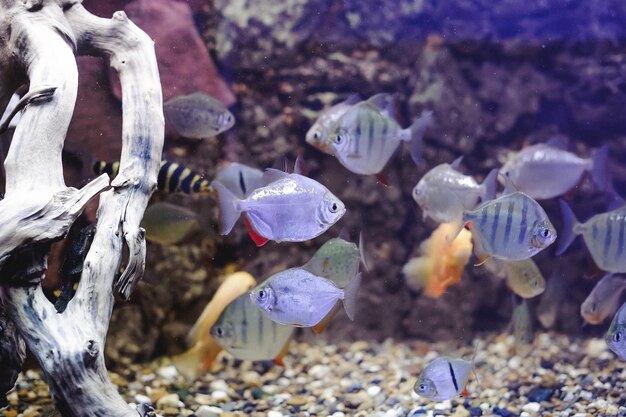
[(39, 208), (12, 355)]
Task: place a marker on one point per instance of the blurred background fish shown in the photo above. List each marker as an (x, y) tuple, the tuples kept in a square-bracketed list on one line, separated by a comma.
[(524, 278), (604, 299), (240, 179), (521, 321), (198, 115), (169, 224)]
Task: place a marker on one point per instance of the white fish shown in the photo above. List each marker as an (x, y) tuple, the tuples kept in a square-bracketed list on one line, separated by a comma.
[(318, 135), (296, 297), (364, 138), (604, 299), (543, 171), (604, 234), (443, 379), (290, 208), (512, 227), (443, 193), (240, 179), (616, 335)]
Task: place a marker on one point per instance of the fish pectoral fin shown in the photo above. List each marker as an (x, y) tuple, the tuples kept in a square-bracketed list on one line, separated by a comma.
[(278, 360), (481, 259)]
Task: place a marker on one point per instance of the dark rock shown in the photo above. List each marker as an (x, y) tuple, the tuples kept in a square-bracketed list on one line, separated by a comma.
[(547, 364), (475, 411), (503, 412), (539, 394)]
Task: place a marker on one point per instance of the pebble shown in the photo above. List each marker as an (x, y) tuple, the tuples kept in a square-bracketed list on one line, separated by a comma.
[(374, 390), (274, 414), (170, 400), (208, 411), (168, 372), (532, 407)]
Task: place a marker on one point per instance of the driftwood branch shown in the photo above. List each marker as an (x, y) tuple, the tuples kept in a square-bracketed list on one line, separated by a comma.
[(39, 208)]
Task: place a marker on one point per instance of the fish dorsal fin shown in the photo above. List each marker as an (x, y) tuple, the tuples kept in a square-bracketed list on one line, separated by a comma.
[(558, 142), (509, 185), (457, 163), (344, 234), (352, 99), (299, 167), (271, 175), (385, 103), (362, 252)]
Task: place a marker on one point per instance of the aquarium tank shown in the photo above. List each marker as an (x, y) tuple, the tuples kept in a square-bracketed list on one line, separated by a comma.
[(228, 208)]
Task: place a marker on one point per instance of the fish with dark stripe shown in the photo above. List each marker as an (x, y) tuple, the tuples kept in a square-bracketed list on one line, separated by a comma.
[(603, 234), (172, 177), (443, 379), (497, 223)]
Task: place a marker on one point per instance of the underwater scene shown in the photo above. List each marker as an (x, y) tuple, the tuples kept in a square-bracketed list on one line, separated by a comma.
[(224, 208)]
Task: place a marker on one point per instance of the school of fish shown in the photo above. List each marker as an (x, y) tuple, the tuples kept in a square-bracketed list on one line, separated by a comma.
[(505, 230)]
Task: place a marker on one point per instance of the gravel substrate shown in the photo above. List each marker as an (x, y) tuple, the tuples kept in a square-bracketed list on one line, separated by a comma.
[(561, 377)]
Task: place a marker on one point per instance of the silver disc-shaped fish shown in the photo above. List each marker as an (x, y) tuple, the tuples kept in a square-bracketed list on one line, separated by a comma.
[(443, 379), (198, 115)]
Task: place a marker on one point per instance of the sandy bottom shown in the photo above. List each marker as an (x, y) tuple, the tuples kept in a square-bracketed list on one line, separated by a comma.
[(562, 376)]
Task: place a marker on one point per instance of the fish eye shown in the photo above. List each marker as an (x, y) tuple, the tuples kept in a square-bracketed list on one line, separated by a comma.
[(545, 232), (317, 135), (422, 387), (338, 139), (617, 337), (333, 208), (219, 332), (261, 294)]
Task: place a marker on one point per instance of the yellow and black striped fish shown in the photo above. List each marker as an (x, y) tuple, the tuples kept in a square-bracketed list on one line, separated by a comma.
[(173, 177)]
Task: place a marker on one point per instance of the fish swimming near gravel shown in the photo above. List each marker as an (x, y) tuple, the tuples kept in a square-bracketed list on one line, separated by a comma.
[(240, 179), (604, 234), (169, 224), (523, 334), (603, 300), (291, 207), (247, 332), (544, 171), (616, 335), (203, 348), (296, 297), (444, 378), (443, 193), (172, 178), (198, 115), (364, 138), (512, 227), (524, 278)]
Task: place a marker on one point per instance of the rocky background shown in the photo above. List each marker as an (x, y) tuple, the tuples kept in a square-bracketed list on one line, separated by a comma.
[(496, 75)]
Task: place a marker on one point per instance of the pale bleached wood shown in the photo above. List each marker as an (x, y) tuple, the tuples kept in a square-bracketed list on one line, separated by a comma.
[(70, 345)]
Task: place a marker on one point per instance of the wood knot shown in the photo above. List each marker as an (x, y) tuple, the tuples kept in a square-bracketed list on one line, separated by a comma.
[(91, 353)]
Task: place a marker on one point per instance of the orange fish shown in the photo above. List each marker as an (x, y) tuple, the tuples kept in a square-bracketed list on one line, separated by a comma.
[(441, 263)]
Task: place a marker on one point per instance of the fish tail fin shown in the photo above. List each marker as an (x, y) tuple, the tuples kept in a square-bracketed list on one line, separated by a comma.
[(600, 168), (569, 222), (362, 252), (350, 295), (490, 183), (229, 211), (188, 363), (418, 128)]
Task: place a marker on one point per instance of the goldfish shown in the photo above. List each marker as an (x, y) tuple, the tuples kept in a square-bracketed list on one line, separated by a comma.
[(364, 138), (441, 263), (299, 298), (444, 378), (544, 171), (603, 299), (198, 115), (443, 193), (511, 227), (291, 207), (240, 179), (318, 134), (522, 326), (524, 278), (169, 224), (204, 349), (172, 178), (603, 234), (616, 335), (247, 332)]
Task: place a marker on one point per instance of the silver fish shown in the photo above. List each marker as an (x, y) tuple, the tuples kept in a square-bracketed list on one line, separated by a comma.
[(337, 260), (443, 193), (543, 171), (443, 379), (512, 227), (364, 139), (616, 335), (198, 115), (524, 278), (247, 332), (296, 297), (603, 300), (290, 208), (240, 179), (603, 234), (318, 135), (522, 326)]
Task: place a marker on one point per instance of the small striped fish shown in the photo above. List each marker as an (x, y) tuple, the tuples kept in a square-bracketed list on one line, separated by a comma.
[(512, 227), (364, 138), (173, 177), (443, 379), (247, 332), (603, 234)]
